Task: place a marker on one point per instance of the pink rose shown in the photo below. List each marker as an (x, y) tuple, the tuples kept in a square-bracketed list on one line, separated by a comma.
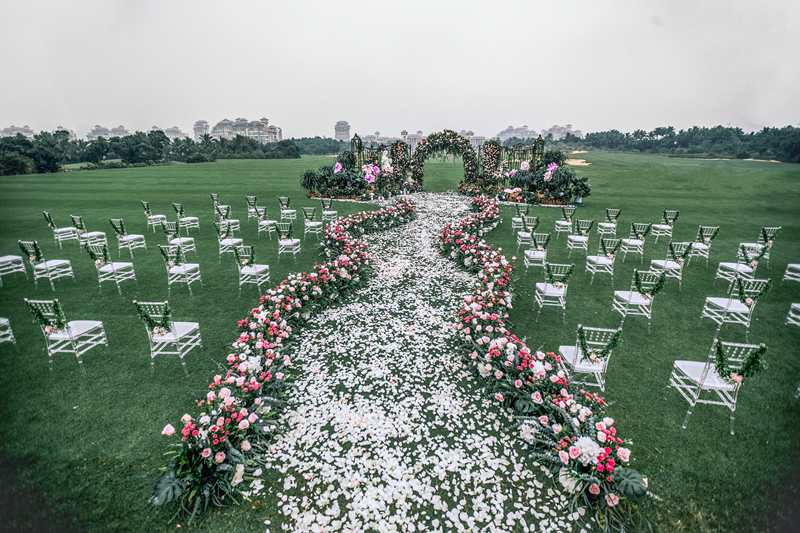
[(498, 374), (244, 424), (206, 453), (279, 375), (624, 454), (612, 499), (186, 418), (600, 426), (574, 452), (252, 418), (594, 488), (537, 397), (211, 395), (224, 392), (245, 446), (543, 420), (557, 428), (168, 430), (229, 401), (518, 383), (564, 456), (240, 380), (217, 378), (219, 457), (499, 397)]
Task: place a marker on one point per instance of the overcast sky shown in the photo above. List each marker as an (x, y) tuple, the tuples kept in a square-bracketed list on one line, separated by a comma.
[(408, 64)]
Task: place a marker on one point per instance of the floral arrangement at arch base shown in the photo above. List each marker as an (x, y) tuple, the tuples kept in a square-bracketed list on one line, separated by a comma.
[(563, 425), (219, 458)]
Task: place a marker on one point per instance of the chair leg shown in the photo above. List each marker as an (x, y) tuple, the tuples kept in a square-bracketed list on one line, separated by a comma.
[(733, 413), (688, 415)]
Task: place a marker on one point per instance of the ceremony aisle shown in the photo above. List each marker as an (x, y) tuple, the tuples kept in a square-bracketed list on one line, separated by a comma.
[(387, 430)]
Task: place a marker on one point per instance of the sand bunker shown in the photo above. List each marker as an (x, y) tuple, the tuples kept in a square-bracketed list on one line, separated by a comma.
[(578, 152), (763, 160), (577, 162)]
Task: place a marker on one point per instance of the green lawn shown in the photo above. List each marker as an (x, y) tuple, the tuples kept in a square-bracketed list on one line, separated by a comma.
[(82, 453)]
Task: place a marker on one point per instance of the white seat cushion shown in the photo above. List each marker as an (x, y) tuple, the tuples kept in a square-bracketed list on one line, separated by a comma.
[(700, 246), (585, 367), (77, 327), (551, 290), (661, 226), (267, 223), (736, 267), (632, 297), (254, 270), (731, 304), (694, 371), (230, 242), (608, 224), (579, 238), (131, 238), (288, 242), (51, 264), (330, 213), (180, 241), (184, 268), (535, 254), (633, 242), (66, 230), (179, 329), (599, 259), (524, 234), (666, 265), (10, 258), (313, 224), (110, 267)]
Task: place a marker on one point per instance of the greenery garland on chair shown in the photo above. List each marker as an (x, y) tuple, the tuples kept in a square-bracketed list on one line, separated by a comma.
[(752, 260), (100, 259), (541, 246), (594, 355), (767, 239), (178, 258), (530, 227), (50, 325), (679, 258), (609, 253), (669, 221), (655, 289), (119, 228), (610, 219), (162, 327), (752, 364), (706, 239), (643, 235), (750, 300), (245, 259), (34, 259), (563, 278)]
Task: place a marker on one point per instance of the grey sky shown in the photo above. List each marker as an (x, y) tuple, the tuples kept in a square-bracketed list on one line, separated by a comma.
[(388, 66)]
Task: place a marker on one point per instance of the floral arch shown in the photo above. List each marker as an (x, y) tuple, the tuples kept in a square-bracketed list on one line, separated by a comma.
[(445, 142)]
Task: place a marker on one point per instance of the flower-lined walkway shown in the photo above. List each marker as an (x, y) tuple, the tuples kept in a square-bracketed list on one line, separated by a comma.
[(387, 430)]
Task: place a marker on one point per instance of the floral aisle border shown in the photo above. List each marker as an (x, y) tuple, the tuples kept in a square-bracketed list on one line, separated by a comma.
[(562, 423), (222, 447)]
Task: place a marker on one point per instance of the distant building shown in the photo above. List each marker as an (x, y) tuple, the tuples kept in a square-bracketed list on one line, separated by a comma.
[(97, 132), (200, 129), (475, 140), (119, 131), (560, 132), (259, 130), (72, 135), (175, 133), (520, 133), (342, 129)]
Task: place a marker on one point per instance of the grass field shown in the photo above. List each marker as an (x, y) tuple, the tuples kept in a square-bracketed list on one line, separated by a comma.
[(82, 453)]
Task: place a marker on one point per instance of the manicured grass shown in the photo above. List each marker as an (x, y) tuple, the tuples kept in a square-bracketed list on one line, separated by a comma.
[(708, 479), (83, 452)]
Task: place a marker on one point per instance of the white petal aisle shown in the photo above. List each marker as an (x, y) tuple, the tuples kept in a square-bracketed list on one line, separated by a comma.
[(388, 432)]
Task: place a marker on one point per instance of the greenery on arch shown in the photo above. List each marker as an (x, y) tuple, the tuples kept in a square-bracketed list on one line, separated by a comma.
[(445, 142)]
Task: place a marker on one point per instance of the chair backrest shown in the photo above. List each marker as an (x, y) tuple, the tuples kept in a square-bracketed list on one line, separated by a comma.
[(753, 288), (170, 229), (735, 353), (647, 279), (530, 223), (677, 249), (540, 240), (171, 254), (251, 201), (584, 226), (596, 337), (49, 218), (146, 206), (555, 272), (31, 251), (119, 226), (245, 255), (752, 250), (77, 221), (522, 209), (326, 203), (706, 232), (608, 246), (639, 228), (98, 252), (215, 198), (284, 230), (223, 229), (178, 208), (310, 213), (567, 212), (768, 234), (284, 201), (262, 212), (612, 215), (154, 315), (224, 211), (669, 216), (47, 313)]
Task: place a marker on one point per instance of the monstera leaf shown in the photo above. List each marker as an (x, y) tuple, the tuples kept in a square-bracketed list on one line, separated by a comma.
[(167, 488), (630, 482)]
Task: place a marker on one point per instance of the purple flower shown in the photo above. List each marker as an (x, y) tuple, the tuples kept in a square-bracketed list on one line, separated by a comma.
[(337, 168), (551, 167)]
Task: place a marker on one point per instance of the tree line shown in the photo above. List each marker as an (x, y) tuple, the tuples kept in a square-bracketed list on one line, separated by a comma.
[(782, 144), (48, 151)]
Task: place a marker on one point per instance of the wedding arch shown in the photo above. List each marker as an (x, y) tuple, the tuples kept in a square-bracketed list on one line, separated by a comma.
[(445, 142)]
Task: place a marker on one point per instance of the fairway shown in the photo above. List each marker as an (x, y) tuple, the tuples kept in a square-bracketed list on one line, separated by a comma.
[(88, 449)]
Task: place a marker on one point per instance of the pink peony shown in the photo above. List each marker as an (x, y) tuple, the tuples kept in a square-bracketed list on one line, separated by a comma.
[(499, 397), (612, 499), (624, 454), (498, 374), (244, 424), (168, 430), (543, 420), (229, 401), (337, 168), (219, 457), (564, 456), (224, 392), (574, 452), (252, 418), (518, 383), (186, 418), (594, 488), (211, 395), (206, 453), (245, 446), (557, 428), (537, 397)]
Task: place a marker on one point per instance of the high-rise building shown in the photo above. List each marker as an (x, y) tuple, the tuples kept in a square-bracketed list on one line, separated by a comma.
[(97, 132), (200, 129), (342, 129), (119, 131), (259, 130)]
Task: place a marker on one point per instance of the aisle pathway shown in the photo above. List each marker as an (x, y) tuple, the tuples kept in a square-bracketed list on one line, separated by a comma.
[(388, 432)]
